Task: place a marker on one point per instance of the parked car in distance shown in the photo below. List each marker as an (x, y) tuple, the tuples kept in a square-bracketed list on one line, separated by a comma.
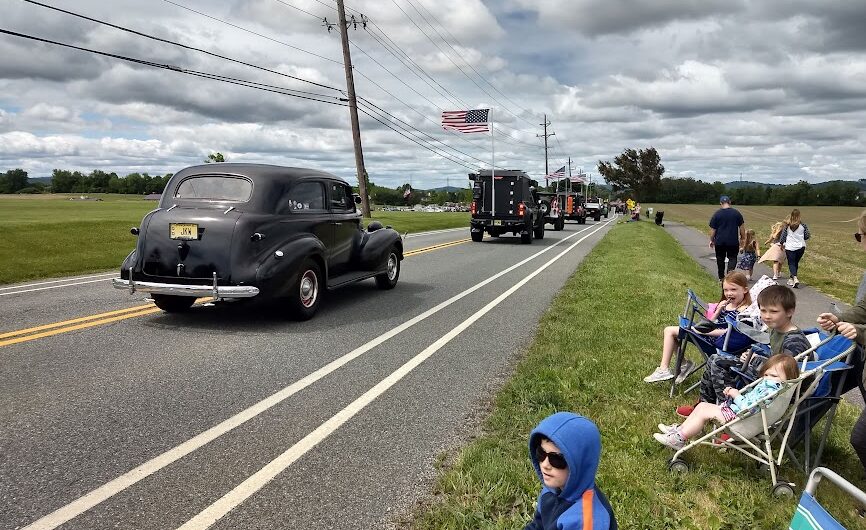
[(235, 231), (503, 202)]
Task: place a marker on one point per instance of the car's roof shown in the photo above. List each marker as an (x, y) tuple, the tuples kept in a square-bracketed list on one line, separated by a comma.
[(257, 171)]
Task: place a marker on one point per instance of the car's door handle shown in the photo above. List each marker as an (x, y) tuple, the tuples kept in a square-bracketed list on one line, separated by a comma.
[(337, 223)]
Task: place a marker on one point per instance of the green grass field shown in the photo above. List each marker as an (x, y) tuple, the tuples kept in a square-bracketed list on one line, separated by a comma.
[(589, 356), (45, 236), (833, 262)]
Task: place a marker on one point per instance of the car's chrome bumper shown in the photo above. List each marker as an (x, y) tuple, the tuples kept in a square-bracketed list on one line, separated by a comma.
[(176, 289)]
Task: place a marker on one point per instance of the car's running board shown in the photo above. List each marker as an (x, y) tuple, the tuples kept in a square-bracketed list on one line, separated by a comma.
[(339, 281)]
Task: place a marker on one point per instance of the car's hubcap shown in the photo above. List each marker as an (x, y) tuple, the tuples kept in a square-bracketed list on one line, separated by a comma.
[(309, 288), (392, 267)]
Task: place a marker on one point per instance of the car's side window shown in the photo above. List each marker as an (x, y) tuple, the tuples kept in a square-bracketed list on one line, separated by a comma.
[(307, 196), (341, 199)]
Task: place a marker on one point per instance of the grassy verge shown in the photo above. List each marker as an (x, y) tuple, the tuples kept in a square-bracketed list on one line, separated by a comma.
[(589, 356), (45, 236), (833, 262)]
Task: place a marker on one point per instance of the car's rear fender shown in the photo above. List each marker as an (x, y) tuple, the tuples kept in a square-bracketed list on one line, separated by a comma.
[(373, 248), (277, 272)]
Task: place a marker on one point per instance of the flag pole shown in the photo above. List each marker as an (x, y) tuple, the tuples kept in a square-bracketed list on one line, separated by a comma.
[(492, 165)]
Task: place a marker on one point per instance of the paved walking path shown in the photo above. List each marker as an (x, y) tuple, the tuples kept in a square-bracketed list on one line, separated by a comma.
[(809, 301)]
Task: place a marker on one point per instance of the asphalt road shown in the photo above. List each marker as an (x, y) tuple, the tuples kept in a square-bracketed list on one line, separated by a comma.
[(232, 416)]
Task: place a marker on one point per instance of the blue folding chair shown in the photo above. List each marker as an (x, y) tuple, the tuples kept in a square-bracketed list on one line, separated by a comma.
[(810, 515), (734, 344)]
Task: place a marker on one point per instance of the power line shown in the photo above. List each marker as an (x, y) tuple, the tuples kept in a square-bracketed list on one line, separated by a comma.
[(253, 32), (505, 107), (445, 28), (178, 69), (181, 45)]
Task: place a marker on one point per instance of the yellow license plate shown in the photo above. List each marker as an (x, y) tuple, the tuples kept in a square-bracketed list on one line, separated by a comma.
[(186, 231), (497, 222)]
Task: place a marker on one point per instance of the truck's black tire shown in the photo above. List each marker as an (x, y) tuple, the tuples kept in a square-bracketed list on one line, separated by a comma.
[(539, 232), (526, 238), (477, 236), (597, 218), (559, 224)]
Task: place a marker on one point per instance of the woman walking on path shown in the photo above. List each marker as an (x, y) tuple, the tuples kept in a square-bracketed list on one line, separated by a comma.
[(793, 239), (852, 325), (775, 252)]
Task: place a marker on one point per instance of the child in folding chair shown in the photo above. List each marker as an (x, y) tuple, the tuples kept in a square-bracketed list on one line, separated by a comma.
[(737, 298), (777, 304), (776, 370)]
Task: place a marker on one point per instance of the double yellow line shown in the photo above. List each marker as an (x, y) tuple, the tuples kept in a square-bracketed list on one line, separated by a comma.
[(90, 321)]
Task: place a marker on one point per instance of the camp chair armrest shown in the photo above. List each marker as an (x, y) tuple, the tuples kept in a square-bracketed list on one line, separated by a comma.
[(820, 473)]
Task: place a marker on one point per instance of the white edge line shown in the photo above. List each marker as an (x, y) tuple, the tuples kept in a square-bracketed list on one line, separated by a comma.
[(22, 286), (107, 490), (254, 483), (54, 287)]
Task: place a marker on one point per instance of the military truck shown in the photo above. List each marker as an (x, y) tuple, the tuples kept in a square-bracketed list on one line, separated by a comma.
[(505, 201), (549, 204)]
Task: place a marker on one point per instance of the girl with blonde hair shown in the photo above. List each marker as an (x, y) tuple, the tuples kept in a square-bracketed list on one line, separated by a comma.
[(775, 252), (750, 254)]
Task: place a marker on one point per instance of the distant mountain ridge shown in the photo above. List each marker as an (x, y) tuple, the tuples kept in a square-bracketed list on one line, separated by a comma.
[(735, 184)]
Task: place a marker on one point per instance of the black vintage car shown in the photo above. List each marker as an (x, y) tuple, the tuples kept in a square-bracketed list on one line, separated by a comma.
[(231, 231)]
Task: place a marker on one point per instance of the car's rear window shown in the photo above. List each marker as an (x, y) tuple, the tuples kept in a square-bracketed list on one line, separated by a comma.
[(215, 188)]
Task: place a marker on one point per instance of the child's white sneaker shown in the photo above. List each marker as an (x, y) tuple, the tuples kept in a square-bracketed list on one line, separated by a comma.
[(671, 439), (668, 429), (660, 374)]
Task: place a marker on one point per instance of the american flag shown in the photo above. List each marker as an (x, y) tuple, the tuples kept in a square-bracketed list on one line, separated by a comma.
[(558, 173), (465, 121)]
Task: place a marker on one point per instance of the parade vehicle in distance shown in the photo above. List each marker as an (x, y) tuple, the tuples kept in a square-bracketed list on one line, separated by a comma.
[(505, 202), (594, 209), (239, 231), (548, 203)]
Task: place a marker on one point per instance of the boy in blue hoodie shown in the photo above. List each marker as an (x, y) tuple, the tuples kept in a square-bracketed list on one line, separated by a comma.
[(565, 450)]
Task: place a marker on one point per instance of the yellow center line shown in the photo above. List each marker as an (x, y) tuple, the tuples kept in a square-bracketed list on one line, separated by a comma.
[(434, 247), (85, 325), (48, 330), (73, 321)]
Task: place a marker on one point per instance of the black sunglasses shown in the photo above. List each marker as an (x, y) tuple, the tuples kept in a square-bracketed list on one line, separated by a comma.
[(858, 236), (555, 459)]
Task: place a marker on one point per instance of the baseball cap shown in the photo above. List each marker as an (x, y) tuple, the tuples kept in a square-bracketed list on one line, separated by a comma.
[(724, 199)]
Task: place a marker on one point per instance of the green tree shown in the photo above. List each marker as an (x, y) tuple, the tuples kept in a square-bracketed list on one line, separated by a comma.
[(641, 171), (65, 181), (215, 157), (13, 180)]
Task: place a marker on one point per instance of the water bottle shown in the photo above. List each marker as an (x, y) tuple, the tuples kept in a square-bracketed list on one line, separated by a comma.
[(834, 309)]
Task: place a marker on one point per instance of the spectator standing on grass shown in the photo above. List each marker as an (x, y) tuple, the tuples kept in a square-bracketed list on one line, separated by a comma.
[(726, 235), (775, 252), (793, 239), (852, 325)]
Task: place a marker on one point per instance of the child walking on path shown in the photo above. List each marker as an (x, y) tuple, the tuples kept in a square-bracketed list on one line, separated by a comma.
[(750, 254), (736, 290), (793, 239), (775, 252), (776, 370)]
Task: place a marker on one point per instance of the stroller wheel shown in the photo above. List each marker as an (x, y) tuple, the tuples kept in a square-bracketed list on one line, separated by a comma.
[(678, 466), (783, 489)]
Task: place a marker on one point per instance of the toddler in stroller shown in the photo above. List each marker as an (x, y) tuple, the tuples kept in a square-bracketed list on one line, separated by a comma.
[(776, 370)]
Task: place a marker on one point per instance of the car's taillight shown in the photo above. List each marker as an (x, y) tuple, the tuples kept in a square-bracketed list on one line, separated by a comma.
[(521, 210), (473, 208)]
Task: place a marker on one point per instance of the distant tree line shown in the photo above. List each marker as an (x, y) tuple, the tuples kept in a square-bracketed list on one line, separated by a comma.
[(97, 181), (688, 190)]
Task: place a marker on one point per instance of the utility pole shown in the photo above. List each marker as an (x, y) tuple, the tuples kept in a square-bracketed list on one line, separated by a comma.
[(546, 136), (353, 106)]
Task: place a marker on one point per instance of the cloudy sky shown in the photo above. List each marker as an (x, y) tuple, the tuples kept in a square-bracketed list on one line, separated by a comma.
[(774, 90)]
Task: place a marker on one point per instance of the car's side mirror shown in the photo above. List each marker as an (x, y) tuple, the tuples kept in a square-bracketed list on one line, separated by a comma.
[(134, 230), (357, 198)]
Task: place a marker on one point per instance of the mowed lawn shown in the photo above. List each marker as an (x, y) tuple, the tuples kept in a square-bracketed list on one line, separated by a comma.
[(833, 262), (44, 236), (593, 346)]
